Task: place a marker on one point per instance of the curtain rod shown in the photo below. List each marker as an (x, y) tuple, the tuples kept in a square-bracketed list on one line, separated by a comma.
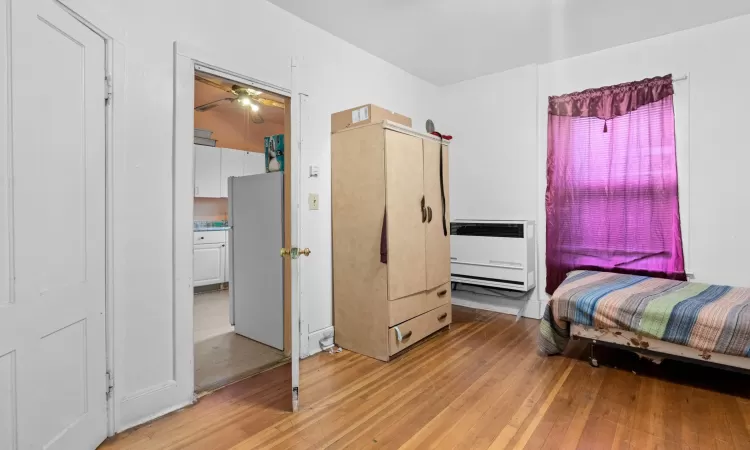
[(682, 78)]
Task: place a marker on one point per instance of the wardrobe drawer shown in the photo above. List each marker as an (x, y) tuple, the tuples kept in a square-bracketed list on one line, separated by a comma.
[(412, 331), (405, 308)]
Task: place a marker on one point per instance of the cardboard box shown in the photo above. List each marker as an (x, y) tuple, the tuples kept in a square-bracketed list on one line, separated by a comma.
[(365, 114)]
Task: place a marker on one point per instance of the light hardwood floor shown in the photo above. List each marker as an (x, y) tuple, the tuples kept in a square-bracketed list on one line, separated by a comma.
[(221, 355), (480, 385)]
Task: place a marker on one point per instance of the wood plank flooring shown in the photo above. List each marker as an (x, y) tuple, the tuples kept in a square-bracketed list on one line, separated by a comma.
[(480, 385)]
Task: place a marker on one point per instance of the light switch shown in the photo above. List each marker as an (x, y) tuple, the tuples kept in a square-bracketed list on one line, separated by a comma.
[(314, 170), (312, 200)]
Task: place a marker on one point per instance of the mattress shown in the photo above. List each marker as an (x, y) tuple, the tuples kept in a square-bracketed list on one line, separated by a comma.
[(706, 317)]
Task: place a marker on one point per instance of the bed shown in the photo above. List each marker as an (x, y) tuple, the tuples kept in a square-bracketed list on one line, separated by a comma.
[(700, 322)]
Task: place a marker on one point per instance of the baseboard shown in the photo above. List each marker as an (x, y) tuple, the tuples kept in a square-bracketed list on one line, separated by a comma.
[(314, 338), (532, 309)]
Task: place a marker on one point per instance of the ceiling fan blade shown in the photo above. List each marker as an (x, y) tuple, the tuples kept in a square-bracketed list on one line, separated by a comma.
[(269, 102), (211, 83), (212, 104)]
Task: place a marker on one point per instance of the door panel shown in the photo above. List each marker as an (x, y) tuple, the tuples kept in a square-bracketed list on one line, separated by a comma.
[(437, 251), (406, 231), (256, 218), (52, 223)]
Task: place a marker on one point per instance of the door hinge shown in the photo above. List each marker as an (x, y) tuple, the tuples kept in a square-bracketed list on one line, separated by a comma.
[(295, 399), (110, 383), (108, 89)]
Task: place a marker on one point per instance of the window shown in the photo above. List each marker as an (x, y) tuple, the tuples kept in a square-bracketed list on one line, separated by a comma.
[(612, 196)]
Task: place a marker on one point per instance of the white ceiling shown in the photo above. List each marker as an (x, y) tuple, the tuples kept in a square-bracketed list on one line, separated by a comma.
[(445, 41)]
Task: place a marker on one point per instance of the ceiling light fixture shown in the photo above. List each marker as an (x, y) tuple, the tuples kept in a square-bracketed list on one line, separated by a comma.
[(245, 100), (254, 107)]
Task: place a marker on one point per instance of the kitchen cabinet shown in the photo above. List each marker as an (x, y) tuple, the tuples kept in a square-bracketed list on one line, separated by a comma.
[(209, 263), (210, 259), (232, 165), (214, 166), (207, 171), (254, 163)]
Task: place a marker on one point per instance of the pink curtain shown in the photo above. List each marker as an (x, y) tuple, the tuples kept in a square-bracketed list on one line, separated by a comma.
[(612, 200)]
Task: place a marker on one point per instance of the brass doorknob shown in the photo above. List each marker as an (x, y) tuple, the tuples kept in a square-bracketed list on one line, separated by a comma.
[(294, 252)]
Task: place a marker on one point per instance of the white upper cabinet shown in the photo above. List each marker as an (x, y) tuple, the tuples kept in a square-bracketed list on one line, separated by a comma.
[(232, 165), (214, 166), (254, 163), (207, 171)]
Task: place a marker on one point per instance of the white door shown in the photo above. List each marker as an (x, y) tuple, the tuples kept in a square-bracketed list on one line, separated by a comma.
[(207, 171), (256, 218), (232, 165), (208, 264), (52, 230)]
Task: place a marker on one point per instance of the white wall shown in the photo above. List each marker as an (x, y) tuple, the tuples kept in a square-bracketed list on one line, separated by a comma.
[(493, 156), (336, 76), (710, 112), (493, 124)]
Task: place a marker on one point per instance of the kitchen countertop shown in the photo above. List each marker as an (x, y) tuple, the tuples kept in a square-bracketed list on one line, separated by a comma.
[(211, 229)]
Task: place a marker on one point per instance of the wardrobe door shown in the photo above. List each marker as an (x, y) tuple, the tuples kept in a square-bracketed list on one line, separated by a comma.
[(406, 221), (437, 251)]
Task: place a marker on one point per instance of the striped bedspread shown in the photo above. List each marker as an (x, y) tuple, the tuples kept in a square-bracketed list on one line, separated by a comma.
[(702, 316)]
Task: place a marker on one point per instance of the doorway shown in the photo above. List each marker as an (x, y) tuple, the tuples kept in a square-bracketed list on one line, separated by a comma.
[(241, 218)]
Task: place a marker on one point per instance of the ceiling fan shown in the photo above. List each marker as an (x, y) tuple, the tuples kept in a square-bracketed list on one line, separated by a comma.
[(247, 97)]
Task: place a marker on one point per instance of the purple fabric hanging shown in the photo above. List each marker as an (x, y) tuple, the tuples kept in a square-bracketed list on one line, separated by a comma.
[(612, 199)]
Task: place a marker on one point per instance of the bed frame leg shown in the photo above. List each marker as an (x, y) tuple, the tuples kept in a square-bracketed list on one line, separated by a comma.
[(592, 358)]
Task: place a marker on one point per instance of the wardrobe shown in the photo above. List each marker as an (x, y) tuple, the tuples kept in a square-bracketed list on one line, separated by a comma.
[(391, 238)]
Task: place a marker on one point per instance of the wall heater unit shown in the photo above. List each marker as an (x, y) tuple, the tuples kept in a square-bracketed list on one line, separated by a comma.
[(494, 253)]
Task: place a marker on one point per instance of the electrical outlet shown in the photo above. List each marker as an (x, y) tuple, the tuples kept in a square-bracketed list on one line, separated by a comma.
[(313, 200)]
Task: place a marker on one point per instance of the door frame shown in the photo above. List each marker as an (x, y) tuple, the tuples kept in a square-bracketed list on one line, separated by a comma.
[(114, 139), (187, 60)]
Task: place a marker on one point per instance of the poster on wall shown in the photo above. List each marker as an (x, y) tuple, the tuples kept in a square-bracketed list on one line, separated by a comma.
[(274, 153)]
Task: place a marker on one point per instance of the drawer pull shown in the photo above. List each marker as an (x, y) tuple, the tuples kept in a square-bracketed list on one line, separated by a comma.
[(442, 316), (442, 293), (400, 337)]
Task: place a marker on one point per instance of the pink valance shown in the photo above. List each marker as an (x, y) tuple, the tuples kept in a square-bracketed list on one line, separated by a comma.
[(612, 101)]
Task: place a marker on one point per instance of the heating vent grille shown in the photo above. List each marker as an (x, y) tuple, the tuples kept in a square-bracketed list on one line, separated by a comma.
[(506, 230)]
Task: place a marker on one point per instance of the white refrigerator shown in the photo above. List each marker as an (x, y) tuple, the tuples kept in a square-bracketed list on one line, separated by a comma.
[(256, 270)]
